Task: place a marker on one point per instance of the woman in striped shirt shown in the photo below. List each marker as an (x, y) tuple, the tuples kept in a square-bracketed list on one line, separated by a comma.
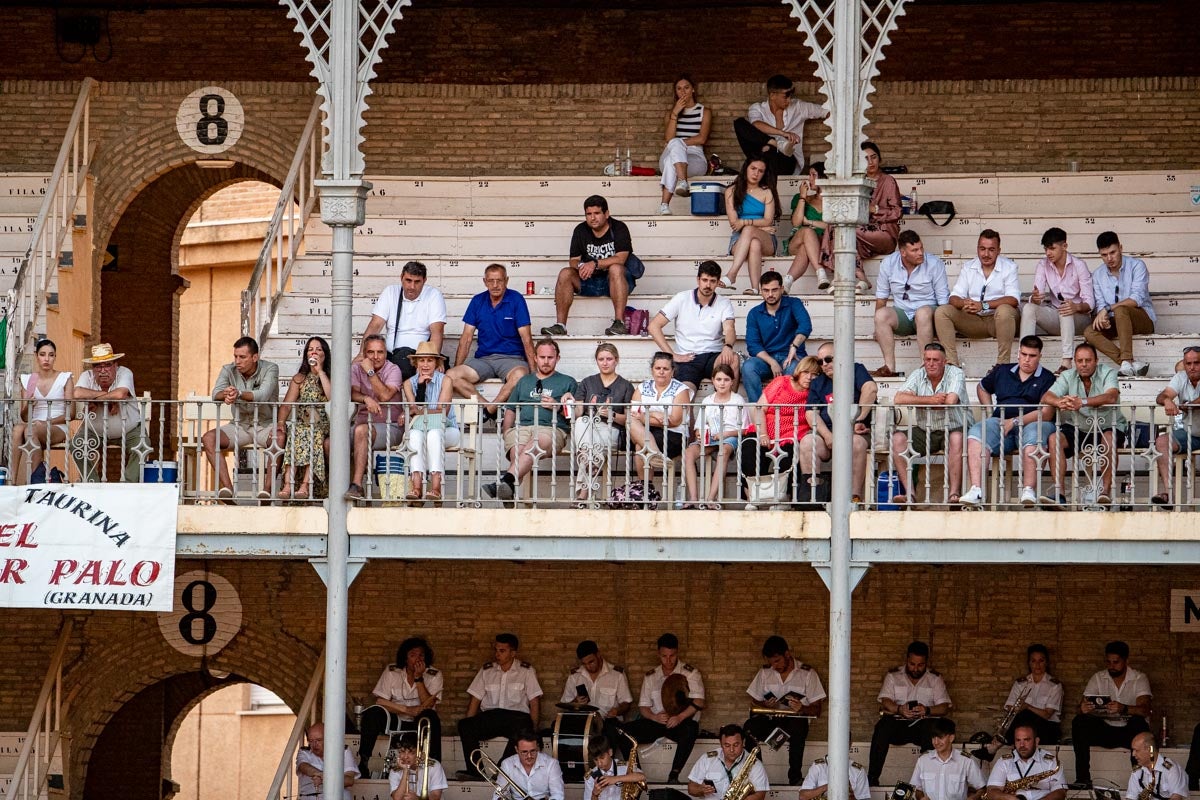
[(688, 123)]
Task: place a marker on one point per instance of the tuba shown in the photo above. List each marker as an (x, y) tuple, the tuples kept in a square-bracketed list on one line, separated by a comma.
[(631, 790), (492, 773), (741, 787)]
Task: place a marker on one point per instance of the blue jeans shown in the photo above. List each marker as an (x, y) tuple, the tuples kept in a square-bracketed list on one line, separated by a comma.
[(988, 432), (756, 373)]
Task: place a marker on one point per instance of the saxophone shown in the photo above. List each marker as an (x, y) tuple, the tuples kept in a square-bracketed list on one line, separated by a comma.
[(741, 787), (1148, 791), (1029, 781), (632, 790)]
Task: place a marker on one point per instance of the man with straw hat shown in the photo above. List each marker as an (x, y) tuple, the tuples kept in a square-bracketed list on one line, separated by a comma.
[(112, 413)]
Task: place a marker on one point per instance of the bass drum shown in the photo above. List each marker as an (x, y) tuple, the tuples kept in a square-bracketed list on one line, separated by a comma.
[(569, 746)]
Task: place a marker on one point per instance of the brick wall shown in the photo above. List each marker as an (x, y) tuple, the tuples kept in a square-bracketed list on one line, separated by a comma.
[(977, 619)]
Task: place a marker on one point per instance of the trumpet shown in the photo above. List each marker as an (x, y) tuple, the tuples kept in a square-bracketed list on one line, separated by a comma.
[(492, 773), (983, 738)]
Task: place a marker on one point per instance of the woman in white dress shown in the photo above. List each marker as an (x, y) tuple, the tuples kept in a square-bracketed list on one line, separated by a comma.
[(44, 412)]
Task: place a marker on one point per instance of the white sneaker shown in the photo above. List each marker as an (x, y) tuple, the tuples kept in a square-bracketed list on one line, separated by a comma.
[(973, 497), (664, 209), (823, 279), (683, 189), (788, 280), (1140, 367), (1126, 369), (1028, 496), (862, 286)]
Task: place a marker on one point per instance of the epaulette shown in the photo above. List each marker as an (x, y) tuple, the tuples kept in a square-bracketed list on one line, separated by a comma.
[(934, 672), (1010, 755), (392, 668), (1167, 763), (820, 760), (856, 764), (650, 672), (618, 668), (1022, 679), (489, 665), (526, 665), (688, 668), (711, 754), (430, 671), (896, 669), (805, 667), (1053, 679), (1053, 759)]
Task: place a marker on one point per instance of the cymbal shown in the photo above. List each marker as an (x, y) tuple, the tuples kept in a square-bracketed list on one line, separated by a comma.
[(573, 707)]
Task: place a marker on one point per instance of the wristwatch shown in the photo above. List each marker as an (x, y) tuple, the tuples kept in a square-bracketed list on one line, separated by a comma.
[(370, 373), (987, 306)]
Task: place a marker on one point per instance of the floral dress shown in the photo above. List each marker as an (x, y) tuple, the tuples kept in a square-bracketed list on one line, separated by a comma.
[(307, 432)]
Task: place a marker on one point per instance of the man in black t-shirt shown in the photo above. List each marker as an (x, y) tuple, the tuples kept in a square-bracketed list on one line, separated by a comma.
[(602, 265)]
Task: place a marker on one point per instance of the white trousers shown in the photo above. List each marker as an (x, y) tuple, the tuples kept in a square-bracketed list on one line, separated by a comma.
[(1044, 318), (676, 152), (429, 448)]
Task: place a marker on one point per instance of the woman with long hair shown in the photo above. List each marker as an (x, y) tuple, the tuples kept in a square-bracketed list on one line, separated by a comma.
[(752, 206), (45, 411), (307, 426), (600, 406), (687, 126), (808, 226), (779, 425)]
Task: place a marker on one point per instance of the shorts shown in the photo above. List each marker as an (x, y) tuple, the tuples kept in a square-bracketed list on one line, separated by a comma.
[(733, 237), (259, 435), (519, 437), (698, 369), (497, 365), (1075, 441), (674, 446), (905, 324), (383, 435), (597, 285), (920, 439), (1185, 441), (1034, 434)]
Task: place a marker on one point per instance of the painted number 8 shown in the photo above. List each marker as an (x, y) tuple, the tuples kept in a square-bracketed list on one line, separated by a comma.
[(208, 625), (208, 121)]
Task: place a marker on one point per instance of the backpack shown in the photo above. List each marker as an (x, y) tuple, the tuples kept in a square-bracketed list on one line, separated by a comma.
[(633, 496)]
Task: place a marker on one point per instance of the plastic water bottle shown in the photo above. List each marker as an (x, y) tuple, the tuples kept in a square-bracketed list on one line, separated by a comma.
[(617, 162), (913, 203), (628, 163)]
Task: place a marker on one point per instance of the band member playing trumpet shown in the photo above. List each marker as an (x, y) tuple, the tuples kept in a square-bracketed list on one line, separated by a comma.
[(794, 691), (714, 771), (601, 685), (1126, 695), (911, 699), (674, 713), (945, 773), (411, 774), (505, 699), (1027, 773), (407, 691), (606, 779), (816, 782), (535, 773), (1157, 777)]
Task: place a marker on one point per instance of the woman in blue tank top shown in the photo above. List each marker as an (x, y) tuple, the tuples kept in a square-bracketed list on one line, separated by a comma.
[(752, 205)]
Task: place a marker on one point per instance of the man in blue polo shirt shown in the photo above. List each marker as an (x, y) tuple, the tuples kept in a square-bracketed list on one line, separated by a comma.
[(818, 445), (1016, 391), (505, 351), (775, 334)]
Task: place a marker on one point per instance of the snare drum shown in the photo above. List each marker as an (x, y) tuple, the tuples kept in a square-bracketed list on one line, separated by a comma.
[(572, 732)]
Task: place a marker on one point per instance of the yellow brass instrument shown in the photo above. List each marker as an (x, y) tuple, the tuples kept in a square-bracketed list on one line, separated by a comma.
[(1148, 791), (983, 738), (423, 730), (633, 789), (778, 711), (740, 787), (1028, 782), (492, 773)]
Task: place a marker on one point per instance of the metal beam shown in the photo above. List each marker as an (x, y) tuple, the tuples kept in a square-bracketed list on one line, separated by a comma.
[(249, 545), (1025, 551)]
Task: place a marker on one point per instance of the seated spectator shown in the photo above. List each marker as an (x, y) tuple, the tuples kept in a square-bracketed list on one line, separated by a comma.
[(47, 408), (505, 349), (107, 389), (938, 427), (375, 385), (432, 426), (1061, 301), (306, 422), (408, 313), (775, 127), (719, 425), (688, 124), (601, 405), (1090, 423), (704, 332), (776, 330), (534, 425), (752, 206), (1018, 419), (250, 388), (602, 265), (1121, 288), (804, 242), (658, 415), (983, 302), (780, 422), (878, 236), (817, 446), (1178, 400), (916, 283)]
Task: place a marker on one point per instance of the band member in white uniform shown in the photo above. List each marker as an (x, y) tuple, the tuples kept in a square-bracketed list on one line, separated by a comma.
[(310, 766), (714, 771), (535, 773), (601, 685), (945, 773), (783, 682), (1121, 718), (912, 697), (1164, 777), (682, 727), (406, 691), (406, 778), (1027, 761), (606, 778), (505, 700), (816, 782)]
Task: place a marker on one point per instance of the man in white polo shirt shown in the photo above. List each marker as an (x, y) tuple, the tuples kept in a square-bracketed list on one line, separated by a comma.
[(406, 314), (983, 303), (915, 281), (704, 332)]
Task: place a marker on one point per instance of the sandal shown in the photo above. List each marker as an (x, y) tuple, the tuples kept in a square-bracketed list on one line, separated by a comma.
[(1162, 499), (415, 495), (302, 492), (433, 497), (750, 291), (285, 493)]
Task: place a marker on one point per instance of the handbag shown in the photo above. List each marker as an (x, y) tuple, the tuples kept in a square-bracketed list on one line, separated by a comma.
[(931, 207), (427, 422), (767, 489)]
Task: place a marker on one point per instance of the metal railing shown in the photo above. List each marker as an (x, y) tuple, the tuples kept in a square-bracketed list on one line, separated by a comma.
[(282, 785), (907, 457), (281, 244), (28, 297), (44, 734)]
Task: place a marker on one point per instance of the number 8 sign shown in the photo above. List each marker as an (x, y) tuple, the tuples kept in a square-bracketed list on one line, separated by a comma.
[(207, 614), (210, 120)]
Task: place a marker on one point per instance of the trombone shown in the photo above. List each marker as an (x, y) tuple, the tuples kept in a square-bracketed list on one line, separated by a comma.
[(492, 773)]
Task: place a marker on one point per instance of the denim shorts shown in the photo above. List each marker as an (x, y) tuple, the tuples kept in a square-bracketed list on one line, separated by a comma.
[(988, 432), (1185, 441)]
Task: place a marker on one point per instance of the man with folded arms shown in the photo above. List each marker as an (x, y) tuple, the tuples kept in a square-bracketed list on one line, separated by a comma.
[(983, 302), (917, 285)]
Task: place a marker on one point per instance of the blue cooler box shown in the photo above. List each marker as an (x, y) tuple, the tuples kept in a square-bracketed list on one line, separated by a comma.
[(160, 472), (708, 198)]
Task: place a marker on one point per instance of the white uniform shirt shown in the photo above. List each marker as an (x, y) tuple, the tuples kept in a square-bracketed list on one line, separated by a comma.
[(609, 689), (651, 696), (393, 685), (927, 284), (1169, 776), (544, 780), (1012, 768), (611, 793), (929, 691), (437, 778), (1048, 693), (511, 690), (130, 412), (946, 780), (698, 329), (972, 285), (415, 315), (1186, 393), (711, 766), (818, 776), (802, 680), (306, 785), (1135, 685)]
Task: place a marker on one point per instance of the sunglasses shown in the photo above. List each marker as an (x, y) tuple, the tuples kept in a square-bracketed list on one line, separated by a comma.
[(1191, 349), (826, 360), (906, 288)]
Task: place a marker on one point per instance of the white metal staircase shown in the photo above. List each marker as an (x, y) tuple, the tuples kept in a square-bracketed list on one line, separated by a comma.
[(44, 746)]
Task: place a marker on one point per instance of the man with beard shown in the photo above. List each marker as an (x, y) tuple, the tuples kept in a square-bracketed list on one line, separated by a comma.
[(1027, 760), (912, 697), (1115, 708)]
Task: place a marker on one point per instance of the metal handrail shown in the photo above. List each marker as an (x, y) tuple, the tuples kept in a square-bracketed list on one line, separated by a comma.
[(260, 299), (27, 298), (24, 785), (303, 717)]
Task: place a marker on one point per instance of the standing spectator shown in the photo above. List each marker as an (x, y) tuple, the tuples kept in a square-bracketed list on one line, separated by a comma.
[(704, 332), (817, 446), (804, 243), (505, 349), (719, 425), (47, 394), (938, 427), (780, 422), (249, 386), (776, 331), (688, 123), (1179, 401), (1123, 308), (1061, 301), (375, 383), (878, 236), (752, 205), (658, 415), (983, 302), (598, 422), (432, 426), (307, 421), (775, 126), (602, 264), (408, 313), (916, 283)]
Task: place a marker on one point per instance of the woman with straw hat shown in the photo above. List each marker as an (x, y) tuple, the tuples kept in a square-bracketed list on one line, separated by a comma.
[(431, 423)]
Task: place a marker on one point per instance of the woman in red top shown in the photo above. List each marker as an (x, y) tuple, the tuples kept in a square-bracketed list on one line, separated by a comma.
[(779, 424)]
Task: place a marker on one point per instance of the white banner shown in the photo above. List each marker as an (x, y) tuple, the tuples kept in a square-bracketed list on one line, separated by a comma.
[(88, 545)]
